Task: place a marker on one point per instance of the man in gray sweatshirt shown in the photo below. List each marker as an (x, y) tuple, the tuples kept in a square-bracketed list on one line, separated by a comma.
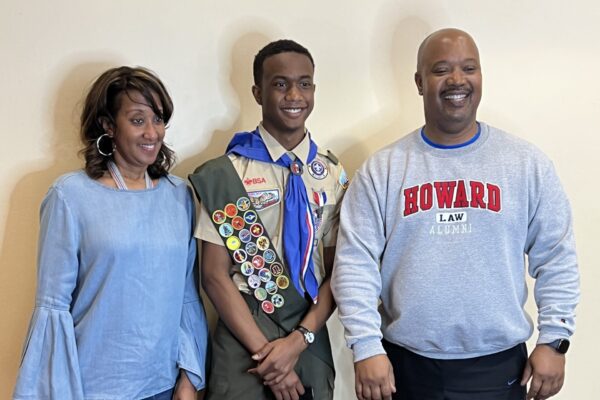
[(438, 226)]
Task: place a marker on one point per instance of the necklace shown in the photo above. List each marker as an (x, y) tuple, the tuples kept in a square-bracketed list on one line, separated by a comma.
[(118, 178)]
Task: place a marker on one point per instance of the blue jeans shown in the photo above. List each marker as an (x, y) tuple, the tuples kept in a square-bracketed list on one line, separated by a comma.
[(166, 395)]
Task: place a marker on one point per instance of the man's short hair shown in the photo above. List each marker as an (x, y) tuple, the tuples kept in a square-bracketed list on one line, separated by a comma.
[(273, 48)]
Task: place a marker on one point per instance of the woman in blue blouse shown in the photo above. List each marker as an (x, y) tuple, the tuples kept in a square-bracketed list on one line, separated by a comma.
[(117, 313)]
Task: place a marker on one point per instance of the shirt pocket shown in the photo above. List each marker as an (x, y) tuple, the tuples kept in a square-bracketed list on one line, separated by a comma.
[(323, 205)]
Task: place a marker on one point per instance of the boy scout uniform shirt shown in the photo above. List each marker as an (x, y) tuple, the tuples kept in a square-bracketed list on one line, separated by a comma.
[(266, 182)]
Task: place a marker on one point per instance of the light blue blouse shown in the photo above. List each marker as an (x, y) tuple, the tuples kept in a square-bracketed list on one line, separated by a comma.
[(117, 311)]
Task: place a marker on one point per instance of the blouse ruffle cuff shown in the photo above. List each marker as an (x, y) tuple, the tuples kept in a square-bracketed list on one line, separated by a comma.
[(193, 334), (50, 366)]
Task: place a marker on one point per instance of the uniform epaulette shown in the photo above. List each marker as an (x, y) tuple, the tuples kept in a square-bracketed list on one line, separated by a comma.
[(332, 157)]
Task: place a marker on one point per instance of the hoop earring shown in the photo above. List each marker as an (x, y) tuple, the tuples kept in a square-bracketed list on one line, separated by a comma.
[(99, 145)]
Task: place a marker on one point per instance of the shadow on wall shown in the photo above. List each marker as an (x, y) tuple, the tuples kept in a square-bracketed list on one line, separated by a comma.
[(239, 65), (394, 54), (18, 251)]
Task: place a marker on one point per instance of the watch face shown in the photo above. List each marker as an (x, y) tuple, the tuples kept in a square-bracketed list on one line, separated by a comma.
[(563, 346), (310, 337)]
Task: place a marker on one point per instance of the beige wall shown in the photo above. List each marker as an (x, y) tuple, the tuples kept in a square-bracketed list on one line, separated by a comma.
[(541, 82)]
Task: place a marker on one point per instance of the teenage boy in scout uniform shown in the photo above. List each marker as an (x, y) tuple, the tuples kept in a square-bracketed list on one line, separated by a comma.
[(268, 227)]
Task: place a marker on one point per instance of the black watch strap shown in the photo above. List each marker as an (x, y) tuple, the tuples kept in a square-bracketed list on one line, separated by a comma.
[(560, 345), (309, 336)]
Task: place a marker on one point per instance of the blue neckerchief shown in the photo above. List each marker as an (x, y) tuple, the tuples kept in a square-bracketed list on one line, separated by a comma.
[(298, 227)]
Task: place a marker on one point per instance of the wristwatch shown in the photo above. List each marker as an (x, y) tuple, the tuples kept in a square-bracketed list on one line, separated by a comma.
[(560, 345), (309, 336)]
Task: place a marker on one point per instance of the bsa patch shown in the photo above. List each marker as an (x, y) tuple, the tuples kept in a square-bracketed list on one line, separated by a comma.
[(317, 169), (243, 203), (231, 210), (219, 217), (263, 199), (254, 181)]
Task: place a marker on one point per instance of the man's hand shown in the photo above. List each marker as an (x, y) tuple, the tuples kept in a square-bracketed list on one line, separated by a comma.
[(546, 369), (374, 378), (277, 358), (184, 390), (290, 387)]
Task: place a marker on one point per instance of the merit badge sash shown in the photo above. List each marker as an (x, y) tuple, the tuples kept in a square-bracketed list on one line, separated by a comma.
[(221, 191)]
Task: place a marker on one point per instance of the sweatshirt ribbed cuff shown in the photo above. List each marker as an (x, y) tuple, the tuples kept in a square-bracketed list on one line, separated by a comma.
[(367, 348)]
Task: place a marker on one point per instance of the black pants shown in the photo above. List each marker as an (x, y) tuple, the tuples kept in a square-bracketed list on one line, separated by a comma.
[(492, 377)]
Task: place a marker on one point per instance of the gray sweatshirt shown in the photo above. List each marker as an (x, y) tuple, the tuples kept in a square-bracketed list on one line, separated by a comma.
[(441, 236)]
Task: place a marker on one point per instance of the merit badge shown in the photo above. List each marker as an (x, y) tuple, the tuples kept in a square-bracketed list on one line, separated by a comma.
[(262, 243), (317, 169), (247, 268), (264, 198), (344, 179), (260, 294), (219, 217), (233, 243), (245, 235), (237, 223), (283, 282), (251, 248), (267, 307), (277, 300), (269, 255), (226, 230), (240, 256), (264, 275), (250, 217), (271, 287), (243, 203), (296, 167), (253, 281), (276, 269), (231, 210), (256, 230), (258, 262)]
